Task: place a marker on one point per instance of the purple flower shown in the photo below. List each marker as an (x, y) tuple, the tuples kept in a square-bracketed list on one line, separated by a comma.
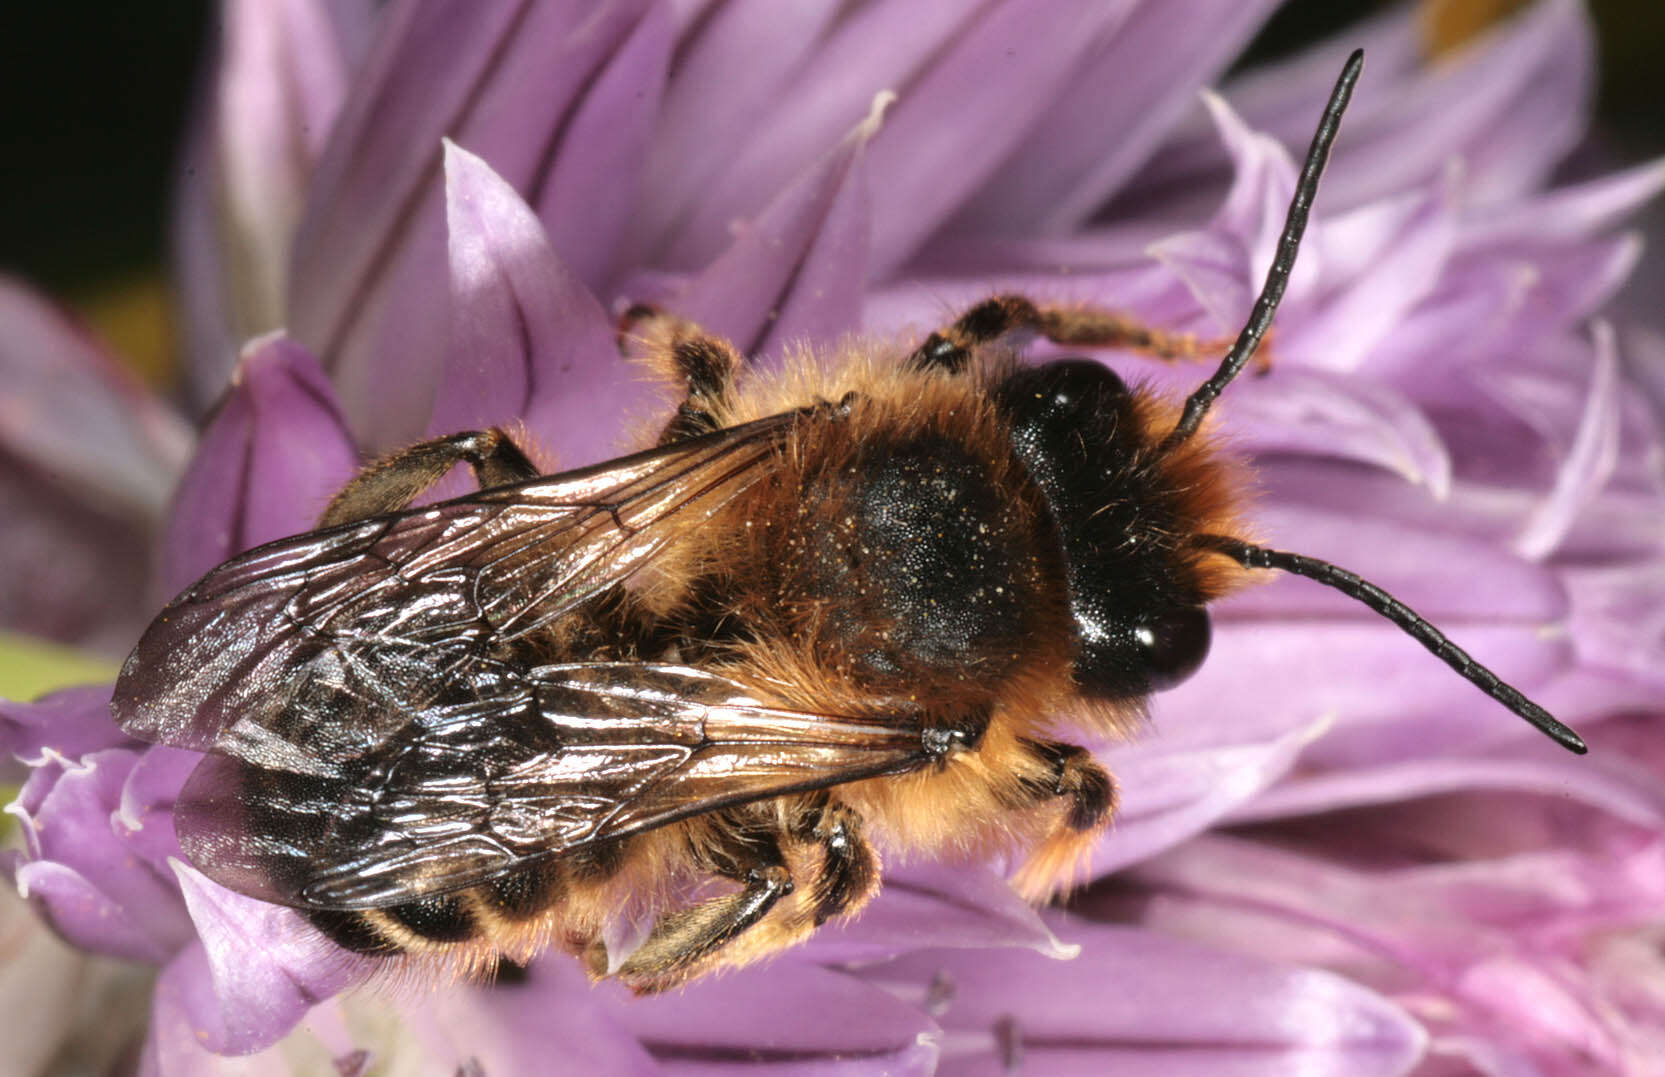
[(1331, 853)]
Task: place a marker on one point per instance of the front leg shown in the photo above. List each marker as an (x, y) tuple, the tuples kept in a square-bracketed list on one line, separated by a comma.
[(1067, 780), (394, 481), (950, 348)]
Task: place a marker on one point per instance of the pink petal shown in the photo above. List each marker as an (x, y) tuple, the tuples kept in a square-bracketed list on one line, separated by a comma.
[(529, 339), (270, 459)]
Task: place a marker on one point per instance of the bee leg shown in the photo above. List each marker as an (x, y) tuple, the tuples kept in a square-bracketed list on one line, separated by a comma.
[(1070, 780), (394, 481), (847, 867), (683, 941), (824, 843), (1093, 327), (702, 364)]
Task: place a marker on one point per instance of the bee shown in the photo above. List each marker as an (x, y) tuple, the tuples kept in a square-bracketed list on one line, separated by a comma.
[(693, 691)]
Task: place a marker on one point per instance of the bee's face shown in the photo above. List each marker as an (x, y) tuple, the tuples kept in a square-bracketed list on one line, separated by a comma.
[(1139, 619)]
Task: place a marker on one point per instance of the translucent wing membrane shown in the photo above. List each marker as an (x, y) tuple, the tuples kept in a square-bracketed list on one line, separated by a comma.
[(562, 757), (259, 657)]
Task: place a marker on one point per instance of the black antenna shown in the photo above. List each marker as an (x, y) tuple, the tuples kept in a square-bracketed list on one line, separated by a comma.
[(1406, 618), (1277, 278)]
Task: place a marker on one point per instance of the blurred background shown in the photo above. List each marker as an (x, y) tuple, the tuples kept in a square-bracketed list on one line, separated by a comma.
[(93, 100)]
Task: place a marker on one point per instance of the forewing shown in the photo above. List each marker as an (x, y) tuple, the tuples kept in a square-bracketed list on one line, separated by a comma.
[(303, 655), (570, 755)]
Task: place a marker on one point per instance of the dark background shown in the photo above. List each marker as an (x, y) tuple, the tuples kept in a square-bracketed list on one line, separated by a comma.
[(93, 97)]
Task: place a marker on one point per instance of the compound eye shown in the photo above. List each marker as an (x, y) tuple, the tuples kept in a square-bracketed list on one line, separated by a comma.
[(1172, 647)]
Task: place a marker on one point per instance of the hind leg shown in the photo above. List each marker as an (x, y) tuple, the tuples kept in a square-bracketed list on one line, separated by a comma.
[(792, 881)]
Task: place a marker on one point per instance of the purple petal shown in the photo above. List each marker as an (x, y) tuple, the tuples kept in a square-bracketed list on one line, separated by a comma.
[(48, 986), (263, 965), (1137, 1002), (144, 820), (267, 464), (1589, 462), (68, 410), (1223, 265), (72, 723), (1388, 699), (588, 200), (1490, 944), (1379, 262), (1309, 411), (712, 105), (1509, 107), (1573, 212), (1447, 572), (936, 906), (1169, 794), (798, 270), (432, 1027), (1117, 107), (529, 338), (1006, 69), (78, 870), (368, 290), (1499, 302), (97, 594), (1599, 783), (280, 79), (1263, 183), (803, 1018), (1619, 614)]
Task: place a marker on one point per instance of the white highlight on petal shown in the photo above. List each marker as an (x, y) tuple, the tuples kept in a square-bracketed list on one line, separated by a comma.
[(1589, 462)]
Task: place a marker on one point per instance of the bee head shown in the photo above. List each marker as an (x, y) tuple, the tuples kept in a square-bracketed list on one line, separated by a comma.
[(1140, 620)]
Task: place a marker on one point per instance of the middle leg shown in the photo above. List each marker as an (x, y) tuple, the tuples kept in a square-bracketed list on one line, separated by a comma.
[(702, 364), (393, 482)]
